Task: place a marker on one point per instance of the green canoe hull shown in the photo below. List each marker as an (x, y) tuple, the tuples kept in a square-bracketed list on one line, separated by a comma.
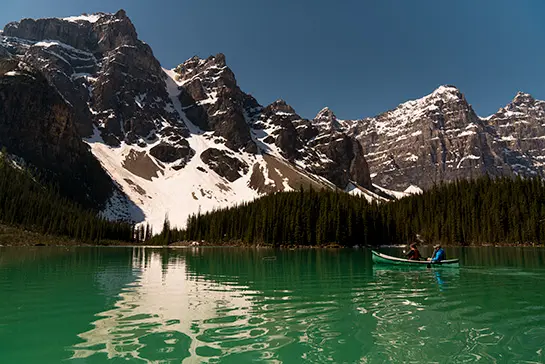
[(379, 258)]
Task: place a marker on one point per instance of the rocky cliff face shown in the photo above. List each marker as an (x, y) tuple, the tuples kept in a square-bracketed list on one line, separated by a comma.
[(342, 149), (433, 139), (320, 148), (212, 100), (103, 70), (521, 125)]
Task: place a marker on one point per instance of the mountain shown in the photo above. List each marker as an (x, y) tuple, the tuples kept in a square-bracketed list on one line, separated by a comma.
[(521, 124), (37, 125), (173, 141), (440, 138), (121, 134)]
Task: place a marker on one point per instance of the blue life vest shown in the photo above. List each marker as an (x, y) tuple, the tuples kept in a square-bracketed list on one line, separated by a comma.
[(439, 255)]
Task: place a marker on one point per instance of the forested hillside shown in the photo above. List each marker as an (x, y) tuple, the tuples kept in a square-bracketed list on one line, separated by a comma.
[(36, 207), (505, 211)]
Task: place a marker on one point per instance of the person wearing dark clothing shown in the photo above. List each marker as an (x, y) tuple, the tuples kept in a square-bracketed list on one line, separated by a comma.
[(413, 254)]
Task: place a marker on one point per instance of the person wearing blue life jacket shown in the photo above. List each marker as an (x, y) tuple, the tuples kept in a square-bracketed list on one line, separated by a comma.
[(438, 254)]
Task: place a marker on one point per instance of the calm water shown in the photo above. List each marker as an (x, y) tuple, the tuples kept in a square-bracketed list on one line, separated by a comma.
[(97, 305)]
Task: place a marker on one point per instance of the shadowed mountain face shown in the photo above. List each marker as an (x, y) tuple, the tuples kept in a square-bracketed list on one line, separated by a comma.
[(322, 149), (192, 137), (37, 125), (212, 100)]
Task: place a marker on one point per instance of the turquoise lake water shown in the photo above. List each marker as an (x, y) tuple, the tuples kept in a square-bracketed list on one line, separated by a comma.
[(236, 305)]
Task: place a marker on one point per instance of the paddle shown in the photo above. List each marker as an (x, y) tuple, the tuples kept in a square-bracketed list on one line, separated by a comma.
[(434, 263)]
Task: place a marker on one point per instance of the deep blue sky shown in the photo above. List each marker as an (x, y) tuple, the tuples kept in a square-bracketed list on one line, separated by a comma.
[(358, 57)]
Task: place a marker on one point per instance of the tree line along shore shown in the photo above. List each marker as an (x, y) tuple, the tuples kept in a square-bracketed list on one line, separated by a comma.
[(36, 211), (484, 211)]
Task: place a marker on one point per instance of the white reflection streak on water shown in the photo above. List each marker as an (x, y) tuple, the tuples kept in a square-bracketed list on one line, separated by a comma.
[(161, 301)]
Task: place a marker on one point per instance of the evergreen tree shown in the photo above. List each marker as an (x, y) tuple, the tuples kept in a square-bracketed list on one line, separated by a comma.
[(462, 212), (39, 207)]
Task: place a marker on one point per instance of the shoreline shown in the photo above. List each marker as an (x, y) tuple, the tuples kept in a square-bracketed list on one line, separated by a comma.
[(17, 237), (67, 243), (11, 236)]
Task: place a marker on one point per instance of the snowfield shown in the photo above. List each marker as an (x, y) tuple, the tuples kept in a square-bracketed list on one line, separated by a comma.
[(176, 194)]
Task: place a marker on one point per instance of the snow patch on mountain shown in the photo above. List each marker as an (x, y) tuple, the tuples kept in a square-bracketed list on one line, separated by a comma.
[(380, 194), (370, 196), (92, 18), (173, 193), (412, 190)]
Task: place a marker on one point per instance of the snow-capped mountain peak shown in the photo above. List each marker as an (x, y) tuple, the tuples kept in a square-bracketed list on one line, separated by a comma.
[(326, 119), (449, 91), (522, 99)]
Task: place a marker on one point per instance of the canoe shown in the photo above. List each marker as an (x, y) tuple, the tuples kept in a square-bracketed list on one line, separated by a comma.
[(379, 258)]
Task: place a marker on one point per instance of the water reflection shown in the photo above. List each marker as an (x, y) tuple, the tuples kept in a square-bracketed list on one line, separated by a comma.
[(234, 306), (241, 305), (49, 294), (155, 317)]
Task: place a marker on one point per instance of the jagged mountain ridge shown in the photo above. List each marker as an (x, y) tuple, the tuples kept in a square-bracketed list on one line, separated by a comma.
[(189, 139), (521, 124), (175, 141), (440, 138), (211, 99)]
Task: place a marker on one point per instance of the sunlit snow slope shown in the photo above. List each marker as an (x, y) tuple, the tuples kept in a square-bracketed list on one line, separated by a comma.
[(161, 190)]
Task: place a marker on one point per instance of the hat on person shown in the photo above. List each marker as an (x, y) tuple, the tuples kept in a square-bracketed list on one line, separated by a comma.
[(437, 246)]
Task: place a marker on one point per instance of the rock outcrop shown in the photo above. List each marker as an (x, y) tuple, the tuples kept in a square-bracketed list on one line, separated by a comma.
[(224, 163), (169, 153), (103, 70), (212, 100)]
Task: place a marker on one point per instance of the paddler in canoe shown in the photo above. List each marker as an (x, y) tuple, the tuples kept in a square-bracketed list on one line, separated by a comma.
[(438, 258), (413, 253), (438, 254)]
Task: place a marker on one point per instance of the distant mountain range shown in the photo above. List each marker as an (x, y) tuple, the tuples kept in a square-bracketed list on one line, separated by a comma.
[(189, 139)]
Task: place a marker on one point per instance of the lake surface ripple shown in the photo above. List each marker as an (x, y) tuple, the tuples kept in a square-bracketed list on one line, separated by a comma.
[(235, 305)]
